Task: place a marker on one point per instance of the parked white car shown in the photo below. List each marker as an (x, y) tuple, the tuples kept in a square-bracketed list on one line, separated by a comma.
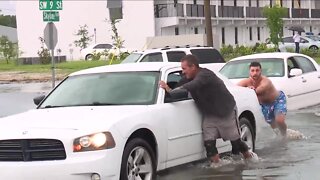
[(110, 122), (288, 43), (206, 55), (297, 75), (88, 53)]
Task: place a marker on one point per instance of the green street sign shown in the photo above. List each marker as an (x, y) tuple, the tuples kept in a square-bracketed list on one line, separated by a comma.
[(50, 4), (51, 16)]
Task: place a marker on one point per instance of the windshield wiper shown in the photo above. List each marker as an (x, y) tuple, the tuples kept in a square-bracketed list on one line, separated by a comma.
[(50, 106)]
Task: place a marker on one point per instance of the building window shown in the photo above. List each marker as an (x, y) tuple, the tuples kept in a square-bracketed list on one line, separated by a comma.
[(249, 3), (194, 1), (195, 30), (281, 3), (115, 9), (250, 33), (258, 3), (234, 2), (223, 36), (270, 3), (236, 35), (222, 3), (258, 33), (176, 31), (310, 28)]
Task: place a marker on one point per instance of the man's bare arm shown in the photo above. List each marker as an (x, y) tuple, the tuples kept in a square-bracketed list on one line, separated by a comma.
[(243, 83), (264, 85)]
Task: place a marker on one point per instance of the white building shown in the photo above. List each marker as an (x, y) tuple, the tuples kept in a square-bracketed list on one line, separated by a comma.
[(233, 21)]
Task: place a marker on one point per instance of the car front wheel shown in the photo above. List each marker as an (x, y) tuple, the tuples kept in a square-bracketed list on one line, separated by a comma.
[(89, 57), (247, 133), (138, 161)]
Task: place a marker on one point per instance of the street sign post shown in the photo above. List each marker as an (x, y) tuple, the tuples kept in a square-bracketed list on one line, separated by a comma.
[(51, 39), (51, 16), (50, 4)]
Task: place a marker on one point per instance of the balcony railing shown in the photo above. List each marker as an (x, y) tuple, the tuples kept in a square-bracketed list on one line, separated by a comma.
[(254, 12), (168, 10), (195, 10), (231, 11), (315, 13), (300, 13)]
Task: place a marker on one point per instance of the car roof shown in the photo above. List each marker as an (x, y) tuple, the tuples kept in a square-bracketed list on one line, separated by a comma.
[(282, 55), (172, 49), (129, 67)]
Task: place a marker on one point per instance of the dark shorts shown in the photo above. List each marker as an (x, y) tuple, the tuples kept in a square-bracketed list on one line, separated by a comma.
[(226, 128), (279, 106)]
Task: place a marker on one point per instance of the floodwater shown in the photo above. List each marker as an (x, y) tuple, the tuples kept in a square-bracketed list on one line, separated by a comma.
[(296, 159)]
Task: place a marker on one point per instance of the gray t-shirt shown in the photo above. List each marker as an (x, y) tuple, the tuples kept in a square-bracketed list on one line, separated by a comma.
[(210, 93)]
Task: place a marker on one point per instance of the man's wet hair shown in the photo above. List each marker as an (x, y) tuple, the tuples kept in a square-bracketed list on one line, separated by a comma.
[(255, 64), (191, 60)]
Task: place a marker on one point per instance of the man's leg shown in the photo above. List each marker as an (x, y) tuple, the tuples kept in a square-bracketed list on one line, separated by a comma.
[(280, 121), (212, 151)]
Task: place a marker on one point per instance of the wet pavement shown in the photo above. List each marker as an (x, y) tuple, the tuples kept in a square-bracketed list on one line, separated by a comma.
[(279, 159)]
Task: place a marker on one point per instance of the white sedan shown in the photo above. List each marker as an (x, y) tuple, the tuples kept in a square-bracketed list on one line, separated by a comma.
[(297, 75), (110, 123)]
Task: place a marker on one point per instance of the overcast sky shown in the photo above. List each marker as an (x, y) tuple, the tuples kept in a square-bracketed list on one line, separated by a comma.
[(8, 7)]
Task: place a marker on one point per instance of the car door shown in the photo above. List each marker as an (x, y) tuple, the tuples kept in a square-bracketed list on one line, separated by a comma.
[(310, 76), (300, 87), (184, 127), (288, 42)]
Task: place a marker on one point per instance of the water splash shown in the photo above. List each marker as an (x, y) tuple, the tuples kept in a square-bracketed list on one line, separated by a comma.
[(295, 135)]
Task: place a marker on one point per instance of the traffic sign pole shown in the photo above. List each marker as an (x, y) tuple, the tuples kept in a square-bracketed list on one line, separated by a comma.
[(52, 53)]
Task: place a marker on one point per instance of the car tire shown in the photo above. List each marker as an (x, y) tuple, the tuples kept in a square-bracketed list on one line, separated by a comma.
[(313, 48), (88, 57), (247, 133), (138, 160)]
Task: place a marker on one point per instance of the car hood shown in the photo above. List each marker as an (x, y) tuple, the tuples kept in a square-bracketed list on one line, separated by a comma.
[(69, 118)]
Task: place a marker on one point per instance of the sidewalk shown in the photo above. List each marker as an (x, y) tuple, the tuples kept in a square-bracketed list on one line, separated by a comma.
[(24, 77)]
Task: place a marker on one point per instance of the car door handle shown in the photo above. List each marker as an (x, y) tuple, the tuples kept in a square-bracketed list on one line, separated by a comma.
[(303, 80)]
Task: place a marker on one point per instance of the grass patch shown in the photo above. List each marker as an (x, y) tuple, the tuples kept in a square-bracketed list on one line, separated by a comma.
[(65, 67)]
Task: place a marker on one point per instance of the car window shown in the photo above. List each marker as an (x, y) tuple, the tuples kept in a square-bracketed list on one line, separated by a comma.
[(154, 57), (305, 64), (103, 46), (113, 88), (208, 55), (174, 81), (288, 40), (132, 58), (175, 56), (271, 67)]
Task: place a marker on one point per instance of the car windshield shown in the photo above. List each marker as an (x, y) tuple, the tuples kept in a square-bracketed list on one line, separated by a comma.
[(112, 88), (271, 67), (132, 58)]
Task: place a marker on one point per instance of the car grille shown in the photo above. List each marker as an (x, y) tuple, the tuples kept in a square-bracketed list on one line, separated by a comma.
[(31, 150)]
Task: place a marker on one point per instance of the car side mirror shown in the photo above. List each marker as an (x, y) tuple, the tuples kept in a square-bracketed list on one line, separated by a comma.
[(177, 95), (37, 100), (295, 72)]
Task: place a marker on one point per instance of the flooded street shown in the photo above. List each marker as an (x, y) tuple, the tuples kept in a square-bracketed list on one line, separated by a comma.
[(280, 159)]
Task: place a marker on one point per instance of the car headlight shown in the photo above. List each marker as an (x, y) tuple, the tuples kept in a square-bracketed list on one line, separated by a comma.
[(93, 142)]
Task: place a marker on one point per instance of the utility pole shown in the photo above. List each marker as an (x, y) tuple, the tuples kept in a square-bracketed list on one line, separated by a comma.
[(207, 15)]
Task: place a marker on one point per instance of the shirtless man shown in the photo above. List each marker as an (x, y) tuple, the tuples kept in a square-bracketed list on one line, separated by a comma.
[(272, 101)]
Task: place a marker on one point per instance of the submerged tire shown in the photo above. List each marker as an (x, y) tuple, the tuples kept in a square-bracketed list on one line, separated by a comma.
[(247, 133), (138, 160)]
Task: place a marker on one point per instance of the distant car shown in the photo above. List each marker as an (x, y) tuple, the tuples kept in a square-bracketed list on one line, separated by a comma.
[(295, 74), (88, 53), (288, 43), (206, 55), (114, 121)]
